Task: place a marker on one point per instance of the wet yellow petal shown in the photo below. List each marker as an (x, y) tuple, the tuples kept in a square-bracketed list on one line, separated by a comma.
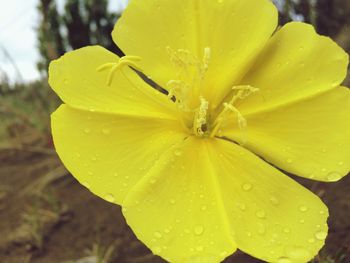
[(204, 196), (177, 211), (310, 138), (296, 63), (110, 153), (76, 79), (233, 30), (275, 219)]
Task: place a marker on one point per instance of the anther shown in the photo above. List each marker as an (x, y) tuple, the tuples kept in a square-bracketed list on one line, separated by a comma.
[(130, 61)]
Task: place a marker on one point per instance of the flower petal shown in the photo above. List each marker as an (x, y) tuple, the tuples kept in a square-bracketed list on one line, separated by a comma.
[(310, 138), (275, 219), (234, 30), (75, 78), (109, 153), (204, 196), (296, 63), (180, 198)]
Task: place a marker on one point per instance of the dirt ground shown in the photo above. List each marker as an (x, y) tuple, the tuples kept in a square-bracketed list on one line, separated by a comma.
[(46, 216)]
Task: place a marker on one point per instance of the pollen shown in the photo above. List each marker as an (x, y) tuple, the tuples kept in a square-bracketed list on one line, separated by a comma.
[(126, 61)]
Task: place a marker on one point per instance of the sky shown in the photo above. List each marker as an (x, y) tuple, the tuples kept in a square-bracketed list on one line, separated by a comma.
[(18, 20)]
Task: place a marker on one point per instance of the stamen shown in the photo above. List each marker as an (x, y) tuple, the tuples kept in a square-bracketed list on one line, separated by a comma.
[(206, 61), (190, 73), (242, 122), (200, 118), (130, 61), (243, 92)]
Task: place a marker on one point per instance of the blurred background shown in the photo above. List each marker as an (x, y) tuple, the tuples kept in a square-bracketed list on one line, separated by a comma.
[(45, 215)]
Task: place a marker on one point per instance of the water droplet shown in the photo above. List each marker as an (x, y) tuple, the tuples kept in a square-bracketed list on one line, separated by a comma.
[(153, 181), (311, 240), (178, 152), (286, 230), (333, 176), (341, 163), (223, 253), (274, 200), (94, 158), (204, 207), (199, 248), (242, 207), (87, 130), (115, 174), (321, 235), (303, 208), (247, 187), (322, 212), (261, 230), (260, 214), (301, 221), (220, 1), (156, 250), (158, 235), (166, 231), (110, 198), (289, 160), (90, 173), (198, 230), (172, 201), (106, 131)]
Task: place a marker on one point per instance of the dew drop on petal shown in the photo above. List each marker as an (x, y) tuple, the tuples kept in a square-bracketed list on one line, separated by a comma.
[(289, 160), (311, 240), (199, 248), (247, 187), (172, 201), (303, 208), (177, 152), (198, 230), (260, 214), (333, 177), (110, 198), (274, 200), (157, 250), (106, 131), (87, 130), (158, 235), (284, 260), (321, 235), (286, 230)]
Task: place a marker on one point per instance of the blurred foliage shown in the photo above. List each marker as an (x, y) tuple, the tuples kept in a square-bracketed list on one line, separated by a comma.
[(84, 22)]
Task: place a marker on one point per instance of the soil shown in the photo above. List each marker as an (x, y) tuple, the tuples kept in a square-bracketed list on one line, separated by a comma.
[(46, 216)]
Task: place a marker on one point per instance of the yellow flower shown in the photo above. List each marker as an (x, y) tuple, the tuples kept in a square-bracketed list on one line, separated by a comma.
[(192, 168)]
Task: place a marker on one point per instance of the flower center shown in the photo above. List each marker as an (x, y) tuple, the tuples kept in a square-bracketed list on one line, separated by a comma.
[(185, 90)]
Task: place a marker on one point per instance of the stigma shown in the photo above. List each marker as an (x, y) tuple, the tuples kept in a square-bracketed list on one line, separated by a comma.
[(126, 61)]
